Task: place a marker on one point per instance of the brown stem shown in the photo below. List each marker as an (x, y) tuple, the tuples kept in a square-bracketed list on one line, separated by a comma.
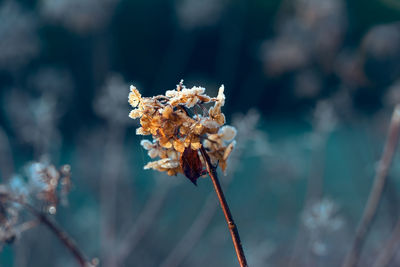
[(61, 235), (376, 191), (225, 208)]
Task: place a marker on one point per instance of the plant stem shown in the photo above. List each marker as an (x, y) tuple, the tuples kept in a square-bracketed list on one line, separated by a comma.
[(225, 208), (376, 191), (61, 235)]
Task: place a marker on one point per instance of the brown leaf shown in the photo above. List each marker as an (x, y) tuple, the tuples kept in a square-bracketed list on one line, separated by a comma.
[(191, 164)]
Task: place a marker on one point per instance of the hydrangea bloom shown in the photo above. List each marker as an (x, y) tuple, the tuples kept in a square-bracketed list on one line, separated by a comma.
[(179, 131)]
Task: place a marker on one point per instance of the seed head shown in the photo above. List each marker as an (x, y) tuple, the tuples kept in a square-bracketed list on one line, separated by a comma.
[(180, 121)]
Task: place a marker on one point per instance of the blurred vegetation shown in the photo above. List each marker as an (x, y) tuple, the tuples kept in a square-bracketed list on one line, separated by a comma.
[(323, 77)]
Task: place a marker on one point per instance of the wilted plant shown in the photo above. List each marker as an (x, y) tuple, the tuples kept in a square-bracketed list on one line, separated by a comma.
[(186, 140), (44, 188)]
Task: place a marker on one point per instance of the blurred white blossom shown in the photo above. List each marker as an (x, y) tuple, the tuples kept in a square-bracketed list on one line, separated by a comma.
[(311, 32), (19, 42), (78, 15), (383, 41), (195, 14), (323, 214), (51, 81), (380, 53), (33, 120), (110, 103), (259, 253), (321, 219)]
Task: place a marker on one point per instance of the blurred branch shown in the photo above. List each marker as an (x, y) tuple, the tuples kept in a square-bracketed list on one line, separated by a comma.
[(108, 193), (59, 233), (314, 192), (195, 232), (323, 124), (144, 222), (389, 248), (376, 191), (6, 160)]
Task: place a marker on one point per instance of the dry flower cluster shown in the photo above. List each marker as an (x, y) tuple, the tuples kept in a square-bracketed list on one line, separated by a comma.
[(179, 131), (51, 185), (44, 187)]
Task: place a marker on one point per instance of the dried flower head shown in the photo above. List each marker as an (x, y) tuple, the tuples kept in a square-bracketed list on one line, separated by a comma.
[(44, 186), (179, 131), (49, 184)]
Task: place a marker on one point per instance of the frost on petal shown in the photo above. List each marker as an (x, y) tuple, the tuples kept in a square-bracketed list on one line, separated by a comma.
[(134, 97), (134, 114), (221, 95), (146, 144), (229, 150), (18, 186), (169, 163), (191, 102), (141, 131), (227, 132), (153, 153), (210, 124), (162, 164), (175, 126), (171, 93)]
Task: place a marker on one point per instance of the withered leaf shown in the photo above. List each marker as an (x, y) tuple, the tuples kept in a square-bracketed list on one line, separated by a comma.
[(191, 164)]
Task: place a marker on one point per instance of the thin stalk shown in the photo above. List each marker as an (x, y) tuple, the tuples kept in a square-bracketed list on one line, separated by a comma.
[(246, 130), (225, 208), (188, 241), (376, 191), (143, 224), (59, 233)]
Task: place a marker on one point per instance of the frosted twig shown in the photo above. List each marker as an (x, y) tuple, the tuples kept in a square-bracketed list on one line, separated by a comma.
[(389, 248), (376, 191)]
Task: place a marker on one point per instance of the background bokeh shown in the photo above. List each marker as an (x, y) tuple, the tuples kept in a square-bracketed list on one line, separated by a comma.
[(310, 86)]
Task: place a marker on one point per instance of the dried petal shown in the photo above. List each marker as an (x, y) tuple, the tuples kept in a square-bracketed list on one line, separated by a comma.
[(135, 113), (134, 97), (227, 132), (228, 150), (179, 145)]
